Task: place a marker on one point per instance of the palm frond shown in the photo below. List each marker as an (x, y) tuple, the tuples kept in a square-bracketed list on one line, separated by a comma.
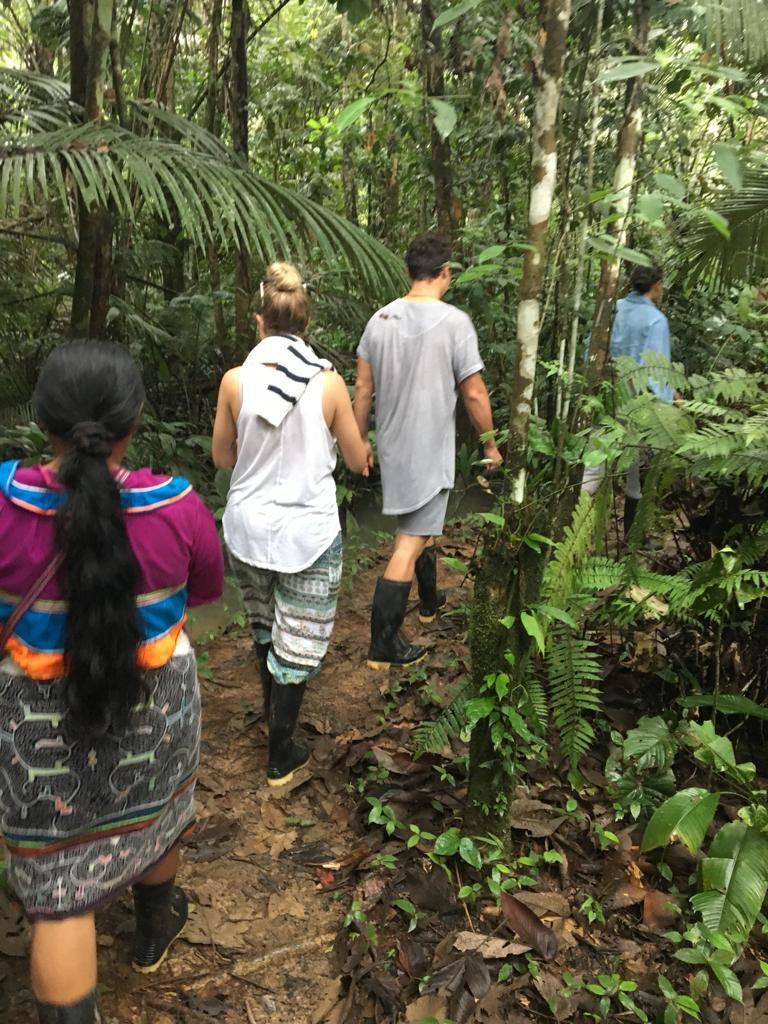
[(716, 260), (190, 179)]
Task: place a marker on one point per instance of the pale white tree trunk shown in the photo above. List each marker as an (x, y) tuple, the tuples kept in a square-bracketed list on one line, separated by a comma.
[(555, 16), (566, 386), (623, 180)]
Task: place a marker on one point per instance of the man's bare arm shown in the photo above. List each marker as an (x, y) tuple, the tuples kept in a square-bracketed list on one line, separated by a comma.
[(474, 394), (363, 400)]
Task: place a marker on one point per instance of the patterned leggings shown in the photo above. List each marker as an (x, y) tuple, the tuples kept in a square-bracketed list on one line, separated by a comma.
[(294, 611)]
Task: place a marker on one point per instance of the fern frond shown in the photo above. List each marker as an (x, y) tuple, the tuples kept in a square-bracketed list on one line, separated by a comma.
[(433, 737), (570, 553), (532, 702), (572, 666)]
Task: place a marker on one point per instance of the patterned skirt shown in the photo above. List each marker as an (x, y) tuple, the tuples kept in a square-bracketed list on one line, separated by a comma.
[(83, 819)]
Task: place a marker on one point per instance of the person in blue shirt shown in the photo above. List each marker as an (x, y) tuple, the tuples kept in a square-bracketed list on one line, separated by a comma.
[(638, 327)]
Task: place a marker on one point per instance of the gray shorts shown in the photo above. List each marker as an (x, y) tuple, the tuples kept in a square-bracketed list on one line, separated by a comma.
[(427, 521)]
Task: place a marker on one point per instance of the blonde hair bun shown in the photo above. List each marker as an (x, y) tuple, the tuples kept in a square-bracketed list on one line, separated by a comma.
[(283, 277)]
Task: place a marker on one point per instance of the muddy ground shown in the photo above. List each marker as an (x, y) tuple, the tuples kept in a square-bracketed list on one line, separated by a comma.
[(274, 873)]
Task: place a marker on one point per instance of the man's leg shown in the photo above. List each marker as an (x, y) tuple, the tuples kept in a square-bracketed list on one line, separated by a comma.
[(402, 563)]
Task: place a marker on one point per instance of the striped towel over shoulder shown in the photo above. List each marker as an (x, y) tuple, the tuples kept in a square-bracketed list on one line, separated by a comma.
[(295, 363)]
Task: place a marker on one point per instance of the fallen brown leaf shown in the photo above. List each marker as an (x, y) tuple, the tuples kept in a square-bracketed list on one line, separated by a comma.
[(534, 817), (544, 903), (626, 894), (427, 1007), (528, 927), (659, 911), (272, 816), (489, 946), (209, 926), (282, 904)]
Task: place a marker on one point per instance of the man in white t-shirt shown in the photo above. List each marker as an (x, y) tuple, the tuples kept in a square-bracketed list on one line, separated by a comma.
[(418, 352)]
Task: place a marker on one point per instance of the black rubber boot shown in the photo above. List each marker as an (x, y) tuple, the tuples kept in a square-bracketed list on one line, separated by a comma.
[(262, 651), (161, 913), (431, 600), (84, 1012), (388, 646), (285, 755)]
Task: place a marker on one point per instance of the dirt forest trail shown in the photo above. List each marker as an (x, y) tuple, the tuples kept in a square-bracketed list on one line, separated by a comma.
[(258, 946)]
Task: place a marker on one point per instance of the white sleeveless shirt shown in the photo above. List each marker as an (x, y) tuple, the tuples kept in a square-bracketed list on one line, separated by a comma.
[(281, 509)]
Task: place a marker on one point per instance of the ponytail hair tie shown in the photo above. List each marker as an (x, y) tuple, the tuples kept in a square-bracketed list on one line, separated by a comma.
[(91, 438)]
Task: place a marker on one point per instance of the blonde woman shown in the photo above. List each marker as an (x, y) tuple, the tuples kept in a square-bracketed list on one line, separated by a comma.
[(279, 419)]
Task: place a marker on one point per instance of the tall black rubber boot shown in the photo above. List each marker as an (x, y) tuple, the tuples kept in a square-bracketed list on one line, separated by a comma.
[(286, 756), (84, 1012), (388, 646), (431, 600), (161, 914), (262, 652)]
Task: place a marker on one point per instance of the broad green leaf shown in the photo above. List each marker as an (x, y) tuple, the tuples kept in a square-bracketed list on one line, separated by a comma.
[(729, 981), (445, 116), (456, 565), (607, 245), (650, 205), (726, 703), (447, 844), (557, 613), (730, 165), (455, 12), (690, 956), (469, 852), (351, 113), (717, 751), (532, 627), (492, 517), (477, 708), (650, 744), (686, 815), (491, 253), (668, 183), (734, 881), (478, 272), (626, 67)]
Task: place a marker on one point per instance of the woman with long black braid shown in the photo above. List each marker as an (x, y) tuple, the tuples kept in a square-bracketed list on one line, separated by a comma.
[(99, 703)]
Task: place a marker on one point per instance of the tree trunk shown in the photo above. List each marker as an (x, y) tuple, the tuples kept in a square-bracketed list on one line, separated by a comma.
[(564, 396), (507, 582), (239, 121), (211, 103), (549, 72), (623, 179), (434, 84), (93, 270)]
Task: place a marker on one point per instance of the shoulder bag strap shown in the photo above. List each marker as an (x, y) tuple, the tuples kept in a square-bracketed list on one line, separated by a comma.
[(29, 599)]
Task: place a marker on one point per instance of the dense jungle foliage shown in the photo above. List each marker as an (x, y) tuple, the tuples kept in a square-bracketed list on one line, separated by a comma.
[(155, 157)]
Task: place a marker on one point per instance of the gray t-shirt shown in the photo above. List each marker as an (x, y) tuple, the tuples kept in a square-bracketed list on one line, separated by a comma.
[(420, 352)]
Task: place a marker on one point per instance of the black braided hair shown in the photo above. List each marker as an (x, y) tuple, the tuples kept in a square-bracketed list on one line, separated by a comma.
[(90, 395)]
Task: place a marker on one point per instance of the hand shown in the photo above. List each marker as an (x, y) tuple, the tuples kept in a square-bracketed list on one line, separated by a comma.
[(370, 459), (492, 453)]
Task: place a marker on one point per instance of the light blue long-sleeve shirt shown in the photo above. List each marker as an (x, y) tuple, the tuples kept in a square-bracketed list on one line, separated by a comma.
[(640, 326)]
